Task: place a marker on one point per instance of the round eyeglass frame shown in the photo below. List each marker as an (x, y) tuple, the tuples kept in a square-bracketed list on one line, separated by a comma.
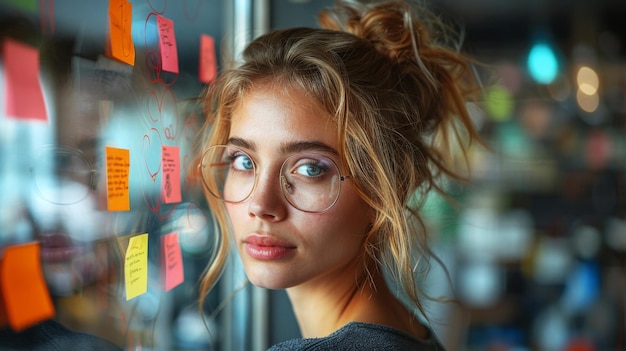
[(54, 151), (206, 164)]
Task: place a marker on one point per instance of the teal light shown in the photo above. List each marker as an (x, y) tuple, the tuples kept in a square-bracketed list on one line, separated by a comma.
[(542, 63)]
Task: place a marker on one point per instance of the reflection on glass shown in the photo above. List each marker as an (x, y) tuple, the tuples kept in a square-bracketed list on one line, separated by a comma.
[(62, 175)]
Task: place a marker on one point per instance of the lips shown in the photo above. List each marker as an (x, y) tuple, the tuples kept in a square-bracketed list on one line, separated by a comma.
[(57, 248), (267, 248)]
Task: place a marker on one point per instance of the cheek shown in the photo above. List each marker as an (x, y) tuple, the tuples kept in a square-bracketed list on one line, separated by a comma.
[(236, 213), (231, 211), (345, 231), (354, 213), (353, 222)]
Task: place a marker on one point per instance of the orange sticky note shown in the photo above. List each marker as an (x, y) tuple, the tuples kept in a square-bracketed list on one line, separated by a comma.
[(136, 266), (4, 318), (207, 68), (171, 261), (25, 296), (23, 95), (120, 45), (117, 170), (167, 44), (170, 181)]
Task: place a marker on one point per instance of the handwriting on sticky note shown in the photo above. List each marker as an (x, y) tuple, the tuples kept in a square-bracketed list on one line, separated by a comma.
[(117, 169), (136, 266), (171, 174), (171, 261), (120, 37), (167, 44), (23, 288), (207, 69), (23, 97)]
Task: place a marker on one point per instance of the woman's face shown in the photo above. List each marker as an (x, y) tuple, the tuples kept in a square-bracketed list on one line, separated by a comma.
[(281, 246)]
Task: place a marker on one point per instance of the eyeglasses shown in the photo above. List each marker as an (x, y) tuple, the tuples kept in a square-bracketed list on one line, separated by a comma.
[(311, 182), (62, 175)]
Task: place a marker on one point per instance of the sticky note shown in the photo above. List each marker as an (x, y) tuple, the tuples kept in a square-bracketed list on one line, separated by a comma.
[(170, 181), (23, 95), (172, 270), (167, 44), (25, 297), (207, 69), (136, 266), (120, 45), (117, 171)]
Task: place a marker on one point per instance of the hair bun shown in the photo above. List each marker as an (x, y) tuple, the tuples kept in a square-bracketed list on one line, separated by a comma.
[(388, 25)]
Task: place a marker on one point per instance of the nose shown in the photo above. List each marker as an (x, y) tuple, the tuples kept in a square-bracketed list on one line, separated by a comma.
[(267, 201)]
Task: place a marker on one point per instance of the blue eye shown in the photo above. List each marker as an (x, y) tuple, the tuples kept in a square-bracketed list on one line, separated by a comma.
[(242, 163), (309, 170)]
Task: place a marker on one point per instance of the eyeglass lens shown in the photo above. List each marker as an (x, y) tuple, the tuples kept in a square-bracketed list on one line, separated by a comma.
[(62, 175), (310, 182)]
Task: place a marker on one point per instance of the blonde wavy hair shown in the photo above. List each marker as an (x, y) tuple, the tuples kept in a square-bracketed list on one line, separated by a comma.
[(398, 95)]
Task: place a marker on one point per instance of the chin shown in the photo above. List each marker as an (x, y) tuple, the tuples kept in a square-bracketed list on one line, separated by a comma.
[(267, 280), (265, 283)]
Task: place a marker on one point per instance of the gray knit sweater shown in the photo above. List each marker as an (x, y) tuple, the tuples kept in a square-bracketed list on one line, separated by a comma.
[(362, 337)]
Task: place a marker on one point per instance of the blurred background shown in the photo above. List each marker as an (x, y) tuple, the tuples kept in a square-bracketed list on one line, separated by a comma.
[(534, 246)]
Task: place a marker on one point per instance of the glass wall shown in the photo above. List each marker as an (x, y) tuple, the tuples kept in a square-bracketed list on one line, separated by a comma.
[(97, 119)]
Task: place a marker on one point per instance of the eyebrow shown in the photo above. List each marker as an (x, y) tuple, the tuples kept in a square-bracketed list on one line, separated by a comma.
[(287, 148), (241, 143)]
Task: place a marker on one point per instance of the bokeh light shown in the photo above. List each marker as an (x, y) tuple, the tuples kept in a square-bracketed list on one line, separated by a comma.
[(499, 103), (588, 81), (587, 95), (587, 103), (542, 63)]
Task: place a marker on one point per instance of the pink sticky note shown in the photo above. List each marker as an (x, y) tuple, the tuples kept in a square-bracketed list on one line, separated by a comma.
[(170, 181), (23, 95), (207, 68), (167, 44), (171, 261)]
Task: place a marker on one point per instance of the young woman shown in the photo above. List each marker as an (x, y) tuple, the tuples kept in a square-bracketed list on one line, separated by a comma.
[(318, 148)]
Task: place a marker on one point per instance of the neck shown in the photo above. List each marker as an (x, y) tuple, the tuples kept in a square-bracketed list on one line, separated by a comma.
[(325, 306)]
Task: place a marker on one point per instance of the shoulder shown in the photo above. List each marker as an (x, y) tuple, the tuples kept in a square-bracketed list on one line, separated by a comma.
[(52, 336), (362, 337)]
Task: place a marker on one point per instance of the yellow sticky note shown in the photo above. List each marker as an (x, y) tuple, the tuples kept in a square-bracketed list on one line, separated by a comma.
[(120, 37), (23, 288), (136, 266), (118, 169)]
